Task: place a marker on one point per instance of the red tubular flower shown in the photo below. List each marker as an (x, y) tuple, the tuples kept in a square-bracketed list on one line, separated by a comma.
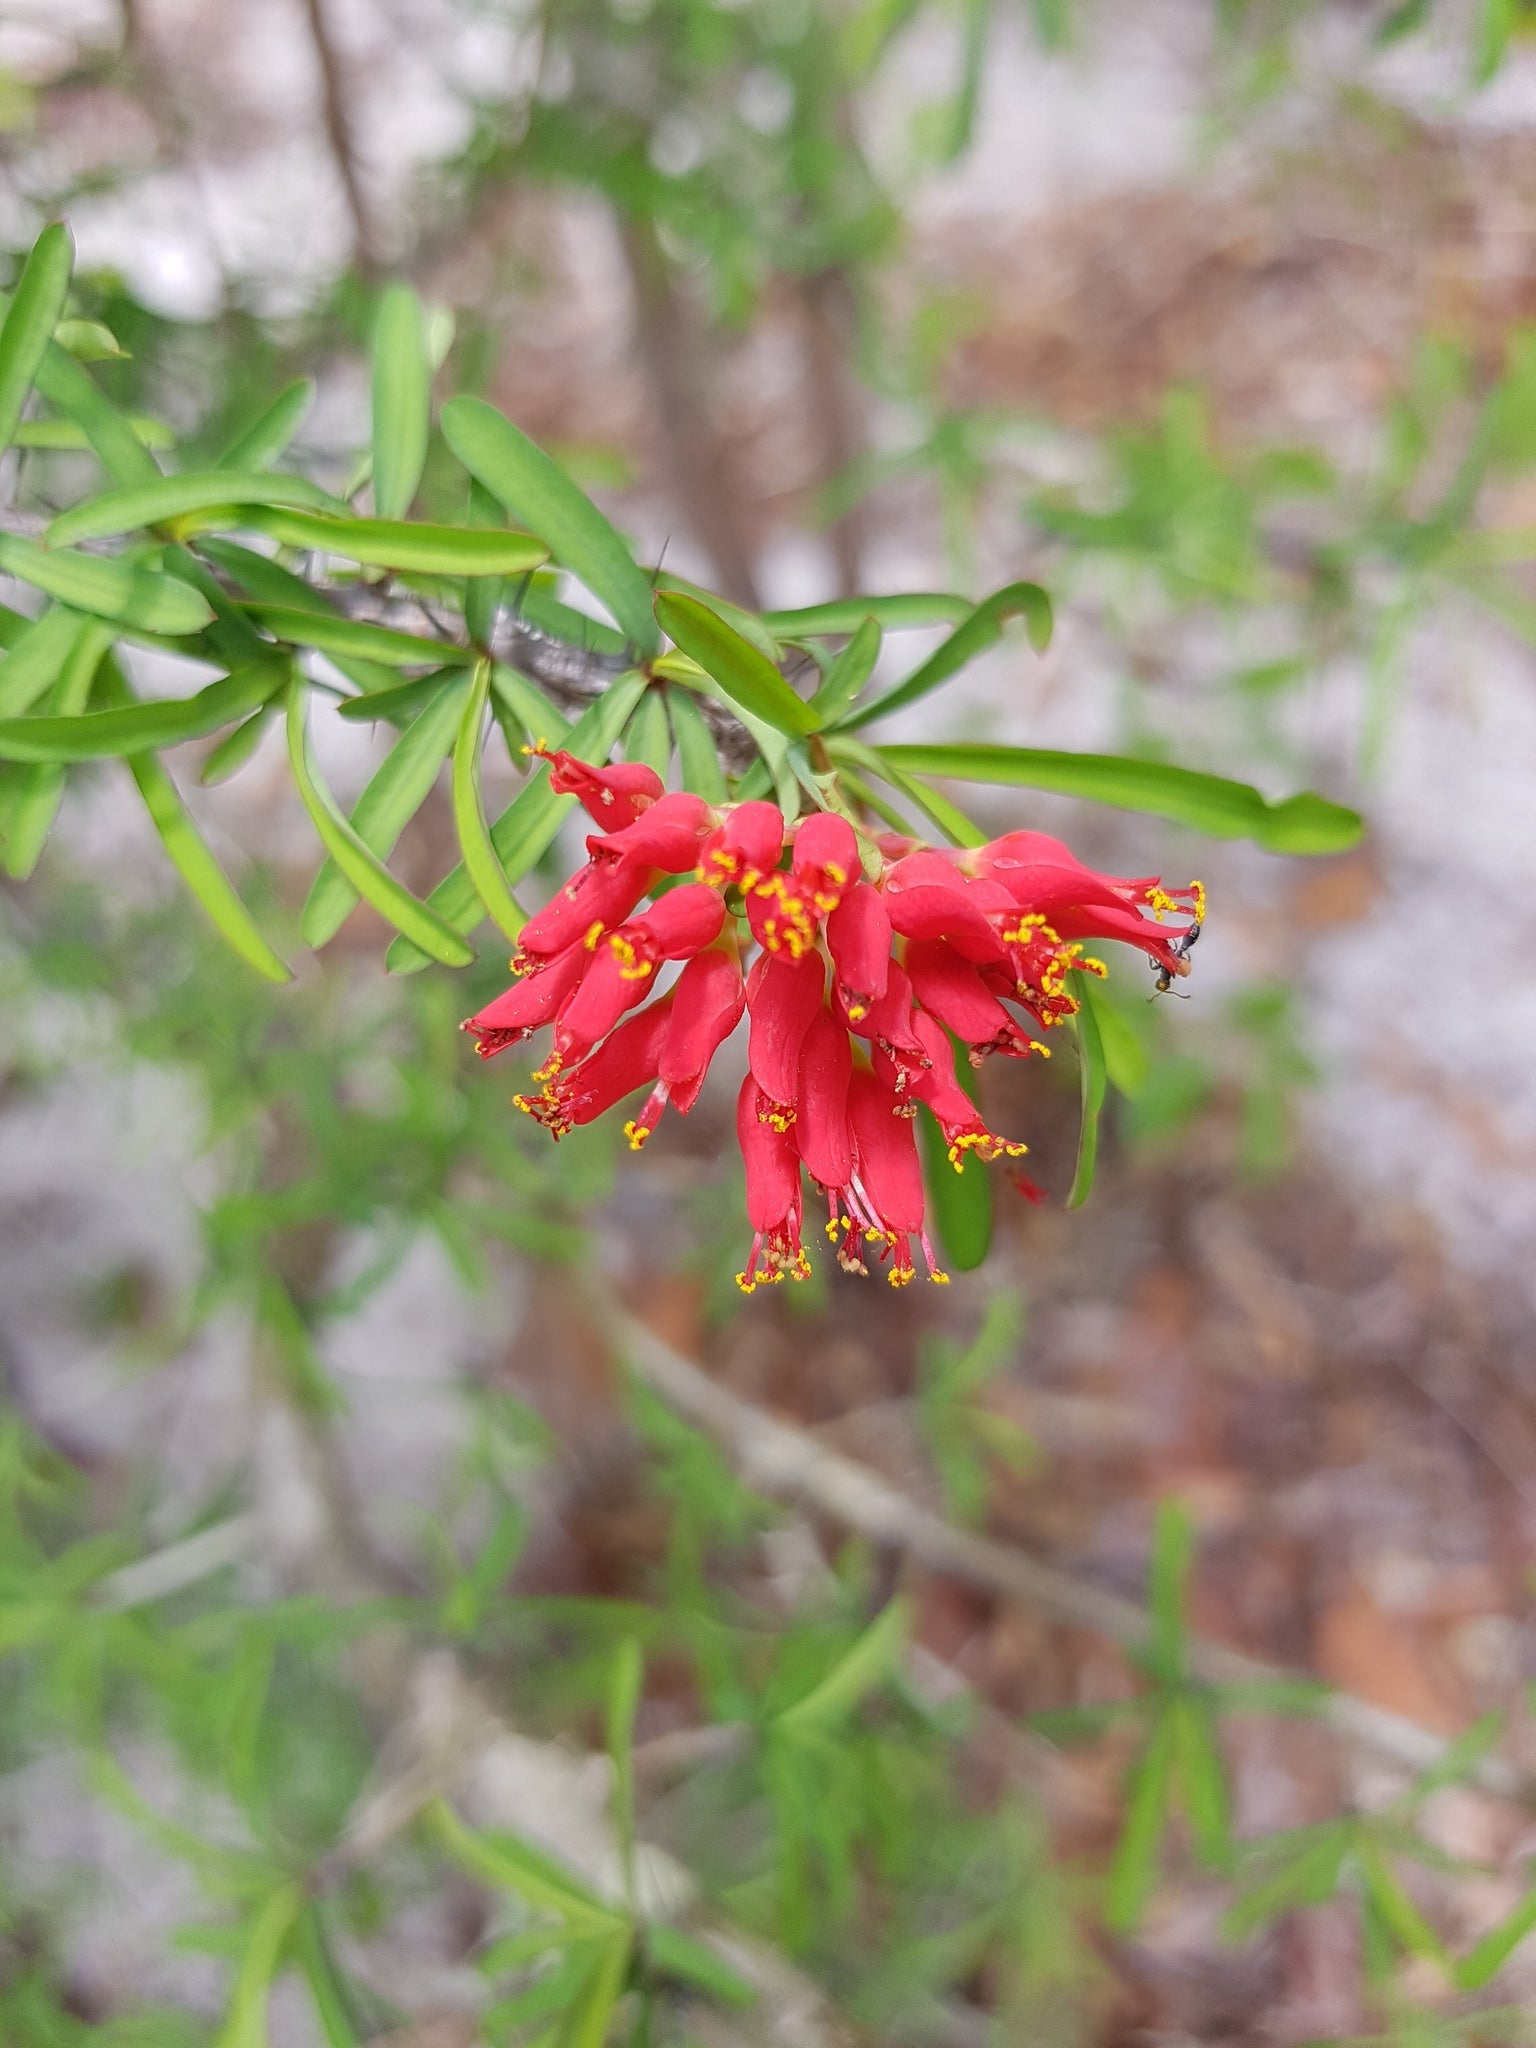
[(859, 940), (958, 1117), (951, 989), (888, 1174), (745, 847), (707, 1003), (784, 993), (887, 1022), (666, 836), (825, 859), (626, 1060), (615, 797), (528, 1005), (774, 1208), (601, 894), (677, 926)]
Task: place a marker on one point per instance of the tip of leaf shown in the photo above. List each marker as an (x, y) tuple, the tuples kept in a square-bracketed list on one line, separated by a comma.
[(1310, 824)]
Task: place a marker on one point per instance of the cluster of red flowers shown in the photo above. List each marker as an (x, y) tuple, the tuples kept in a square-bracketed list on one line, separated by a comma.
[(872, 962)]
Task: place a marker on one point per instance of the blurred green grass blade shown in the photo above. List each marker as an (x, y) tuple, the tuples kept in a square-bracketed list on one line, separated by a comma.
[(1202, 1782), (509, 1864), (33, 794), (983, 629), (697, 754), (868, 1662), (1210, 803), (535, 490), (1133, 1869), (392, 797), (245, 2024), (648, 738), (1307, 1876), (480, 860), (35, 659), (1399, 1914), (679, 1956), (1484, 1960), (328, 633), (36, 307), (405, 544), (231, 754), (141, 728), (891, 614), (624, 1689), (269, 434), (746, 676), (402, 401), (361, 866), (1092, 1071), (67, 435), (327, 1990), (1173, 1549), (177, 497), (523, 832), (586, 2020), (111, 588), (849, 672), (960, 1203)]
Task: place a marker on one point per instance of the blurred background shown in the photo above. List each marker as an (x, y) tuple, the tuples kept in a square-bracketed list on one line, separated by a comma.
[(323, 1483)]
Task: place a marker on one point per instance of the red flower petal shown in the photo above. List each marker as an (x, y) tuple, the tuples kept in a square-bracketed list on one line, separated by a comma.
[(783, 995), (821, 1102), (615, 797), (859, 940)]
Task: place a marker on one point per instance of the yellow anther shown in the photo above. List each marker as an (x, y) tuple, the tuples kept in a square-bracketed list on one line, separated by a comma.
[(637, 1133), (1197, 891), (594, 933), (939, 1277)]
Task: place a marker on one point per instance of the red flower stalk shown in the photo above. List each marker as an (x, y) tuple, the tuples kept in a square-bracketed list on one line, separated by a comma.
[(902, 946)]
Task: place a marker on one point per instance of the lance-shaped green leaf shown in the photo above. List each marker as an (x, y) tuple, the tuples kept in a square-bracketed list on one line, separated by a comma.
[(32, 794), (245, 2025), (270, 432), (892, 614), (747, 677), (402, 544), (329, 634), (400, 702), (1202, 1781), (395, 793), (140, 599), (869, 1661), (1125, 1056), (260, 577), (141, 728), (176, 497), (88, 341), (480, 860), (1398, 1913), (231, 754), (1306, 823), (983, 629), (648, 738), (510, 1864), (69, 388), (189, 851), (1305, 1873), (525, 828), (1090, 1049), (327, 1987), (1484, 1960), (529, 706), (624, 1691), (36, 656), (697, 754), (535, 490), (402, 400), (679, 1956), (67, 435), (587, 2018), (849, 672), (34, 312), (537, 604), (1133, 1868), (361, 866), (959, 829), (960, 1202)]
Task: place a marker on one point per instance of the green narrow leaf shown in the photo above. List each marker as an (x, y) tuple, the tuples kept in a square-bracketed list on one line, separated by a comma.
[(480, 861), (1484, 1960), (529, 706), (585, 2024), (960, 1203), (679, 1956), (402, 401), (141, 728), (849, 673), (395, 793), (31, 799), (404, 544), (70, 389), (509, 1864), (68, 435), (1090, 1053), (35, 310), (649, 735), (1125, 1057), (525, 828), (245, 2025), (540, 607), (330, 634), (747, 624), (957, 828), (400, 702), (697, 755), (1173, 1549), (327, 1990), (176, 497), (624, 1689), (1133, 1870), (1399, 1915), (37, 654), (747, 677), (111, 588), (268, 435), (983, 629), (361, 866), (1225, 810), (1308, 1877), (535, 490), (1202, 1782), (88, 341), (484, 594), (263, 579), (231, 754), (868, 1662), (892, 614)]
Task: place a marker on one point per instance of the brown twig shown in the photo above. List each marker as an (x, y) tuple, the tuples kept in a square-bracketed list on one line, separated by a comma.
[(336, 114), (826, 303)]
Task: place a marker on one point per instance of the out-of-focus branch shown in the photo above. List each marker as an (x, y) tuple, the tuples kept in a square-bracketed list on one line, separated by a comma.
[(826, 304), (336, 113), (786, 1464)]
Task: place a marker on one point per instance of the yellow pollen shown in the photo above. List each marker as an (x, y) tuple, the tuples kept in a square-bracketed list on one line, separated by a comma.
[(857, 1011), (900, 1275), (637, 1133), (1197, 891), (747, 1286), (938, 1277), (550, 1068), (594, 933)]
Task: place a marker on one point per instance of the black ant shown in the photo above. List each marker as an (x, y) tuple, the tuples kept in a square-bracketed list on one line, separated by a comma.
[(1181, 949)]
